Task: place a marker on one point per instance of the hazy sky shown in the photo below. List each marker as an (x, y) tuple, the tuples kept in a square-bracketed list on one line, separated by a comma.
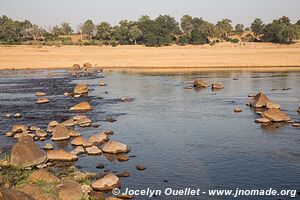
[(52, 12)]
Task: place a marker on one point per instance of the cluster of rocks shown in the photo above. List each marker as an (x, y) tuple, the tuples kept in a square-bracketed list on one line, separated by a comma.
[(9, 115), (86, 70), (202, 84), (40, 98)]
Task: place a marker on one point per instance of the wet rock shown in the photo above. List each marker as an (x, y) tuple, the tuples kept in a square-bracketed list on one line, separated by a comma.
[(48, 146), (26, 153), (260, 101), (115, 147), (83, 106), (87, 144), (32, 190), (238, 110), (43, 175), (73, 133), (200, 84), (100, 166), (42, 101), (39, 94), (81, 88), (60, 133), (18, 128), (83, 176), (286, 88), (110, 119), (262, 120), (84, 122), (7, 115), (69, 123), (53, 123), (34, 128), (275, 115), (78, 141), (78, 150), (108, 182), (78, 117), (61, 155), (296, 125), (93, 150), (102, 83), (122, 157), (217, 86), (17, 115), (41, 133), (125, 174), (272, 105), (69, 190), (11, 194), (140, 167), (77, 96), (99, 138)]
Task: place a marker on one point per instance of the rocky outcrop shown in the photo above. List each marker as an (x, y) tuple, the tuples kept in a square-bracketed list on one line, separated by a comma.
[(275, 115), (108, 182), (60, 133), (115, 147), (262, 101), (26, 153), (83, 106)]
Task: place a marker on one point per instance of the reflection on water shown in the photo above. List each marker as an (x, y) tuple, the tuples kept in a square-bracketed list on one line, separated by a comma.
[(185, 138)]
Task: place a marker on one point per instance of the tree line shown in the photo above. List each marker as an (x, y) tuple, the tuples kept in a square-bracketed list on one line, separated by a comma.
[(161, 31)]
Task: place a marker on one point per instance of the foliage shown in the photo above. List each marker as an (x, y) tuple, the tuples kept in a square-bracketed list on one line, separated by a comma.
[(257, 27)]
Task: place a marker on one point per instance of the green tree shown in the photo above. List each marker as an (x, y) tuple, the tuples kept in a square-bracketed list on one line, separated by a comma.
[(104, 31), (66, 28), (88, 28), (290, 33), (204, 27), (224, 27), (239, 28), (121, 33), (135, 33), (257, 27), (186, 23), (198, 37), (56, 30)]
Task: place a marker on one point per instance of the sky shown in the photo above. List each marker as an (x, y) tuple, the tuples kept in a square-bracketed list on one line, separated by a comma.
[(52, 12)]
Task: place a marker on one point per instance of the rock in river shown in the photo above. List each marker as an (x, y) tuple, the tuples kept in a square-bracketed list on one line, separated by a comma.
[(39, 94), (78, 150), (42, 100), (298, 110), (262, 120), (238, 110), (99, 138), (108, 182), (11, 194), (217, 86), (200, 84), (78, 141), (93, 150), (261, 100), (60, 133), (26, 153), (81, 88), (115, 147), (83, 106), (61, 155), (275, 115)]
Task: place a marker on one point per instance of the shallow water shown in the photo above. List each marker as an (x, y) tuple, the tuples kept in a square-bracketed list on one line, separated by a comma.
[(184, 137)]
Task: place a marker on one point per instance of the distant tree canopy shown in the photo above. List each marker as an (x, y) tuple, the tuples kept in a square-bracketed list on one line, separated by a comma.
[(161, 31)]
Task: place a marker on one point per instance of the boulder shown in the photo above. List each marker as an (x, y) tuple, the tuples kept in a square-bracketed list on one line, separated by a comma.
[(93, 150), (81, 88), (102, 83), (262, 120), (76, 67), (238, 110), (108, 182), (73, 133), (217, 86), (39, 94), (84, 122), (32, 190), (60, 133), (261, 100), (42, 100), (69, 190), (270, 104), (122, 157), (34, 128), (115, 147), (43, 175), (200, 84), (26, 153), (78, 150), (78, 141), (53, 123), (48, 146), (18, 128), (275, 115), (83, 106), (68, 123), (11, 194), (18, 115), (61, 155), (140, 167), (98, 139), (41, 133)]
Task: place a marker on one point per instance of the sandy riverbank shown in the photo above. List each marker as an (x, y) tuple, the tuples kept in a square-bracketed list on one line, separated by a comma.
[(251, 56)]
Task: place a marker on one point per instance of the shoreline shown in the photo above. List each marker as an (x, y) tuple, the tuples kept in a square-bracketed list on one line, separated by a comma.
[(171, 59)]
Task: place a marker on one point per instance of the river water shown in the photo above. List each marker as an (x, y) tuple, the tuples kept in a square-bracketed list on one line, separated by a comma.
[(186, 138)]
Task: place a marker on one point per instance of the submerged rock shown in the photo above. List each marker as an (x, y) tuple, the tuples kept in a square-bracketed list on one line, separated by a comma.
[(11, 194), (60, 133), (108, 182), (217, 86), (140, 167), (122, 157), (81, 88), (83, 106), (26, 153), (115, 147), (200, 84), (275, 115), (61, 155)]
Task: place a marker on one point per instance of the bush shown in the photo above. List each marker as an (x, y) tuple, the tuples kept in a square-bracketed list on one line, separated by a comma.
[(198, 37), (183, 40)]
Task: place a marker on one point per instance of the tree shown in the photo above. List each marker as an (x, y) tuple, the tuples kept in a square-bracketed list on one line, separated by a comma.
[(198, 37), (239, 28), (56, 30), (224, 27), (135, 33), (88, 28), (36, 32), (66, 29), (204, 27), (103, 31), (168, 26), (257, 27), (121, 33), (186, 24), (298, 22), (290, 33)]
